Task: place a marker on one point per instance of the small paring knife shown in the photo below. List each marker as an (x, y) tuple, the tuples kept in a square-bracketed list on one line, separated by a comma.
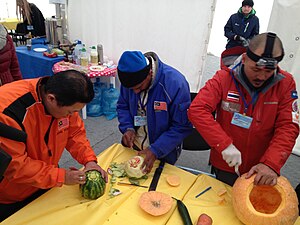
[(236, 169), (123, 183)]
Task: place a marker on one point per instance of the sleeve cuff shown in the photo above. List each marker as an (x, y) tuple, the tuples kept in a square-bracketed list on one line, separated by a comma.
[(90, 159), (60, 177), (132, 129), (221, 146)]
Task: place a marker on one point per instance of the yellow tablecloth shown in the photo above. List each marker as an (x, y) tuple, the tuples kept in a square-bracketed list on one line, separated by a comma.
[(10, 23), (65, 205)]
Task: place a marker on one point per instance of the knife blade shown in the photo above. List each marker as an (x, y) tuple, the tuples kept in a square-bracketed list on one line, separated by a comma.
[(156, 176), (236, 169), (130, 184)]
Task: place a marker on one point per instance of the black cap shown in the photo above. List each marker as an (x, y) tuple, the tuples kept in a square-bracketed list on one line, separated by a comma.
[(248, 2)]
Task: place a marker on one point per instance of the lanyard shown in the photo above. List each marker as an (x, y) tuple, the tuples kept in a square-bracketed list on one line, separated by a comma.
[(241, 93), (143, 103)]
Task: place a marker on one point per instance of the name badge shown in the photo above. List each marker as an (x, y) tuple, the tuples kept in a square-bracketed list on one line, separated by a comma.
[(140, 121), (241, 120)]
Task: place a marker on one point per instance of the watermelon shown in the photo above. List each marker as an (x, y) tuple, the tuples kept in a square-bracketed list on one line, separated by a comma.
[(94, 185)]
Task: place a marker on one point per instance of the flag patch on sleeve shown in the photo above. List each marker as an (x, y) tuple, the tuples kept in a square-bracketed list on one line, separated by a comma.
[(233, 96)]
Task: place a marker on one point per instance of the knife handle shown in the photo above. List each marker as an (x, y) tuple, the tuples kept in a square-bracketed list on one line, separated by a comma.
[(155, 179)]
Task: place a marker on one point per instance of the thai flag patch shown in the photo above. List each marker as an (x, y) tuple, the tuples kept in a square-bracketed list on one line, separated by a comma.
[(294, 94), (233, 96), (63, 123)]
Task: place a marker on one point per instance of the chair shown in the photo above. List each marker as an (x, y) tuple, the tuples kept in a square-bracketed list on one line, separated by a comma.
[(195, 142), (19, 35)]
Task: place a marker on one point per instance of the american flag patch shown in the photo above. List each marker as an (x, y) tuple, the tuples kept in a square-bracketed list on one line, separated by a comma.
[(161, 106), (63, 123), (233, 96)]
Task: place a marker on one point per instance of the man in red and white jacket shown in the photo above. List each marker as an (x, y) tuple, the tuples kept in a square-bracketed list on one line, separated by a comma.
[(257, 116)]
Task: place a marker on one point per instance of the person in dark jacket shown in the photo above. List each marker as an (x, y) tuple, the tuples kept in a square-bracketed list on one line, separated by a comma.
[(152, 107), (242, 26), (9, 66), (33, 19)]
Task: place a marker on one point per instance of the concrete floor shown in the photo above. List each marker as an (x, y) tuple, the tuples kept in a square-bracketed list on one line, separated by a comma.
[(102, 133)]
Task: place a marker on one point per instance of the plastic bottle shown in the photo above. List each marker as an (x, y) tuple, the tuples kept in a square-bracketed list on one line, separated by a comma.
[(84, 60), (94, 56), (100, 54), (94, 108), (109, 102), (28, 41), (76, 52)]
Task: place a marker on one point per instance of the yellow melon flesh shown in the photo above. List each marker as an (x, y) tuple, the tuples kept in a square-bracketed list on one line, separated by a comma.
[(222, 192), (173, 180), (155, 203)]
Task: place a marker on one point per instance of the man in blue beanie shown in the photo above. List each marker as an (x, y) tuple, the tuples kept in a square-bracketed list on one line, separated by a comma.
[(242, 26), (152, 107)]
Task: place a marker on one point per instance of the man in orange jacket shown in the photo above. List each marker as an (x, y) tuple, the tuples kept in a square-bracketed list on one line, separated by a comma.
[(46, 109)]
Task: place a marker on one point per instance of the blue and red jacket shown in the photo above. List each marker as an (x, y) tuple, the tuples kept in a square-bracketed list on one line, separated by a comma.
[(166, 128)]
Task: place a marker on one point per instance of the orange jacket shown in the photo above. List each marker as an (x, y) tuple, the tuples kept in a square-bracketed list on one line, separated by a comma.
[(34, 165)]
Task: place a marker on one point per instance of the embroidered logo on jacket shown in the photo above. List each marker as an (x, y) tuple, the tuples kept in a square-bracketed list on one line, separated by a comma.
[(63, 123), (295, 112), (160, 106), (294, 94), (230, 106), (295, 106), (233, 96)]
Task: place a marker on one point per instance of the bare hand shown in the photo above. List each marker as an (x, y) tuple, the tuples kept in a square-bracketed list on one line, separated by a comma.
[(128, 138), (149, 160), (264, 175), (74, 176), (94, 166)]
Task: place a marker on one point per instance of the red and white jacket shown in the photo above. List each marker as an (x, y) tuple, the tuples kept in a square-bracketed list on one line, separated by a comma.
[(273, 131)]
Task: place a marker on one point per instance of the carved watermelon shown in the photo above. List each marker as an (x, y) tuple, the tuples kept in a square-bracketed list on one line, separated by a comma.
[(94, 185)]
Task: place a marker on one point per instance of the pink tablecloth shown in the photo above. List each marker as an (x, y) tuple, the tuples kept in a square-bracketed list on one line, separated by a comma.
[(108, 71)]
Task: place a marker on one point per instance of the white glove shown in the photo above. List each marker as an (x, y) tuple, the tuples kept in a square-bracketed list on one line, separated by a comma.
[(232, 156), (244, 41)]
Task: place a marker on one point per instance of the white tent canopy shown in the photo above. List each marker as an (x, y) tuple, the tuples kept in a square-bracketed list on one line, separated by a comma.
[(178, 31), (285, 22)]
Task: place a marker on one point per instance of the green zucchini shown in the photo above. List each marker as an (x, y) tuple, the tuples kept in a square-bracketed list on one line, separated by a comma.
[(184, 213)]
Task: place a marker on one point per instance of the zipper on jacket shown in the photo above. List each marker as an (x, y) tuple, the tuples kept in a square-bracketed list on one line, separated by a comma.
[(46, 138)]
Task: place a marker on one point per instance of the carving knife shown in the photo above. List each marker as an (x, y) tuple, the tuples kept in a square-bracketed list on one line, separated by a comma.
[(156, 176)]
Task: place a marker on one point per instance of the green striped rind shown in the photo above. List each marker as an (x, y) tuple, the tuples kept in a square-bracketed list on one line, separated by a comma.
[(94, 186)]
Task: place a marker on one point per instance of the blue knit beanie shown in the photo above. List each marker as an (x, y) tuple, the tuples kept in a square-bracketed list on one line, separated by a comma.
[(133, 68)]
